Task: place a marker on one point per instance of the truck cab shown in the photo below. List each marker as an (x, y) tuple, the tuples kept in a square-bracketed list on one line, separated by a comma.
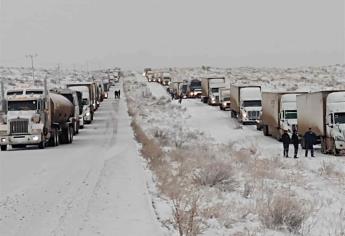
[(194, 89), (86, 116), (24, 120), (224, 99), (288, 113), (335, 120), (250, 104)]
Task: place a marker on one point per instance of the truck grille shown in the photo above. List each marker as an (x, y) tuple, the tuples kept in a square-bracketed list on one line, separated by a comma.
[(19, 126), (253, 115)]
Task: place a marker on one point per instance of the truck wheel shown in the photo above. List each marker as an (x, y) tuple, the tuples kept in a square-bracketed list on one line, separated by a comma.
[(71, 135), (42, 145), (56, 138), (3, 147), (64, 136), (265, 130)]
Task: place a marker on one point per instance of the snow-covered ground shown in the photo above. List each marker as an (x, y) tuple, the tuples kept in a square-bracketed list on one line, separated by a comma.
[(95, 186), (318, 184)]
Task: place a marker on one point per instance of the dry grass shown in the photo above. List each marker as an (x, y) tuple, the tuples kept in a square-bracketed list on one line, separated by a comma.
[(282, 211), (218, 174)]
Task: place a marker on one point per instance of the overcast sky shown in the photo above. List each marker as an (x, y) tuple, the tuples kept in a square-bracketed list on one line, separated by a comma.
[(139, 33)]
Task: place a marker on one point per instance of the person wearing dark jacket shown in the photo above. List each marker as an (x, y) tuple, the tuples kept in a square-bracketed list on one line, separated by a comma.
[(286, 143), (295, 142), (309, 141)]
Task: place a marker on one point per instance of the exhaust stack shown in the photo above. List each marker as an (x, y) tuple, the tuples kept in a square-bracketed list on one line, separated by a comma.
[(45, 86), (2, 100)]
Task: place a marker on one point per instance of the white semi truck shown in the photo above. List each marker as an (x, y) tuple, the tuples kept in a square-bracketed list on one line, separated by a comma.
[(36, 117), (210, 89), (324, 113), (279, 113), (245, 103)]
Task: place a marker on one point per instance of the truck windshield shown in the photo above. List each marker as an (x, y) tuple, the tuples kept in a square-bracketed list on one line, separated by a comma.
[(69, 97), (253, 103), (226, 99), (195, 84), (30, 105), (184, 88), (290, 114), (214, 90), (339, 118)]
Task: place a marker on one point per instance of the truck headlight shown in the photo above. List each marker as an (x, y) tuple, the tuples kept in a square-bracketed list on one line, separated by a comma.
[(3, 140), (244, 114), (87, 114), (35, 138)]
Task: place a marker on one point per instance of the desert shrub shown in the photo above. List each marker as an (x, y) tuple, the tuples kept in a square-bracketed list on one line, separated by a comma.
[(186, 214), (216, 174), (283, 211)]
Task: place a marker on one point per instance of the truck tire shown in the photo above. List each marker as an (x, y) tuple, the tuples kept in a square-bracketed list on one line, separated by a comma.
[(265, 130), (3, 147), (64, 136), (42, 145), (55, 141), (71, 135)]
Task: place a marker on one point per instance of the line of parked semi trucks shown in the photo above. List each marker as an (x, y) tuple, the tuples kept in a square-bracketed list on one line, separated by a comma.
[(271, 112), (49, 117)]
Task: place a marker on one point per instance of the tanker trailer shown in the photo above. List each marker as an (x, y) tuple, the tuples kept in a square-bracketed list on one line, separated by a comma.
[(36, 119)]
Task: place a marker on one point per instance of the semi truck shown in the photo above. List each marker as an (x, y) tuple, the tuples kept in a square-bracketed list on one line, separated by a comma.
[(279, 113), (210, 89), (166, 79), (245, 103), (89, 99), (224, 99), (75, 97), (36, 119), (324, 113), (194, 89)]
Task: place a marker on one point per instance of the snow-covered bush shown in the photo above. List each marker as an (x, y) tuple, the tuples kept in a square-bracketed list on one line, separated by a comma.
[(216, 174), (282, 211)]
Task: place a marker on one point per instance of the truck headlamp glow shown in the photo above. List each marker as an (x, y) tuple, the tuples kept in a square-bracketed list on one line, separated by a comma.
[(35, 138), (87, 114), (3, 140)]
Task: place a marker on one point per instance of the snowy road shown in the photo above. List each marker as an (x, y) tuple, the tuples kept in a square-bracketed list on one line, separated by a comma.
[(94, 186)]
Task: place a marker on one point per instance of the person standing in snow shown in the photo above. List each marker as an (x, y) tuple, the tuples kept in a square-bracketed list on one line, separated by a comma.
[(119, 93), (309, 141), (180, 100), (286, 143), (295, 142)]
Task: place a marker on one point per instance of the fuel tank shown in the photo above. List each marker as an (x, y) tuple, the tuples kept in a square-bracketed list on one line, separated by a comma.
[(61, 109)]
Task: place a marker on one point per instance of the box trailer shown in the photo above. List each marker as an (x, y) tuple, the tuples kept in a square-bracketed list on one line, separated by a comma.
[(324, 113)]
